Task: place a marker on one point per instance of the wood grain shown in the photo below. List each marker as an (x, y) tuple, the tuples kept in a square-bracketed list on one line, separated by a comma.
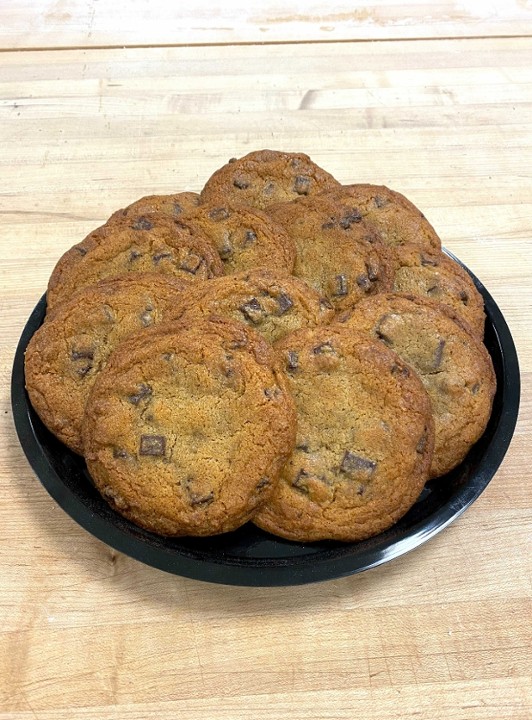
[(86, 632), (92, 23)]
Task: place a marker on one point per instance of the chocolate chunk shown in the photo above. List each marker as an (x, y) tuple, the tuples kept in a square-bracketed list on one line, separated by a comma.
[(202, 500), (351, 218), (324, 348), (142, 224), (293, 360), (263, 482), (475, 388), (177, 209), (428, 261), (300, 483), (284, 302), (269, 188), (144, 391), (82, 251), (232, 160), (226, 249), (134, 255), (295, 162), (341, 286), (304, 447), (329, 225), (379, 201), (439, 354), (272, 392), (325, 304), (355, 465), (363, 282), (302, 184), (161, 256), (218, 214), (250, 237), (464, 297), (82, 354), (252, 311), (241, 183), (154, 445), (120, 453), (168, 356), (146, 317), (82, 371), (434, 290), (191, 263)]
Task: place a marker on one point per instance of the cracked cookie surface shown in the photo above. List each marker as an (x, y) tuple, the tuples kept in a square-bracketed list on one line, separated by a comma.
[(133, 243), (265, 177), (364, 438), (453, 364), (65, 355), (188, 426)]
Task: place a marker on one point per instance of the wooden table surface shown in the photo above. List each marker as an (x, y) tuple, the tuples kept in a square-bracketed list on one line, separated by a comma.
[(101, 103)]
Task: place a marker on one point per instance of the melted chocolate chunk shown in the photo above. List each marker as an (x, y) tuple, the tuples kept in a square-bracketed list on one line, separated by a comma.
[(252, 311), (142, 224), (356, 465), (300, 483), (87, 354), (284, 302), (302, 184), (144, 391), (293, 360), (201, 500), (191, 264), (154, 445), (250, 238), (341, 286), (351, 218), (438, 355), (161, 256), (218, 214), (241, 183), (226, 249), (363, 282)]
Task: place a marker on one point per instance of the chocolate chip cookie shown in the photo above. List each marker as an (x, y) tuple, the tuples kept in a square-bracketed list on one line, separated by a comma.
[(364, 439), (272, 303), (188, 426), (339, 256), (173, 205), (145, 243), (66, 354), (434, 275), (245, 237), (265, 177), (453, 364), (396, 220)]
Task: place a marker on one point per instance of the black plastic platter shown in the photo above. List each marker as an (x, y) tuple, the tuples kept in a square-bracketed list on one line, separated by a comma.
[(250, 556)]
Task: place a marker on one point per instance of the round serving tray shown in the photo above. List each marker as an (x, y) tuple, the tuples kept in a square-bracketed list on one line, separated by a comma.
[(250, 556)]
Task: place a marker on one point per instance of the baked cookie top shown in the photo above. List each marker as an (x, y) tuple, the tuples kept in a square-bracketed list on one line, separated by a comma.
[(453, 364), (396, 220), (146, 243), (364, 438), (244, 237), (340, 257), (187, 427), (436, 276), (174, 205), (265, 177), (272, 303), (66, 354)]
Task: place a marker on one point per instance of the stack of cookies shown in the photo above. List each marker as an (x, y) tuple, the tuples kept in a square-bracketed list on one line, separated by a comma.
[(279, 348)]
